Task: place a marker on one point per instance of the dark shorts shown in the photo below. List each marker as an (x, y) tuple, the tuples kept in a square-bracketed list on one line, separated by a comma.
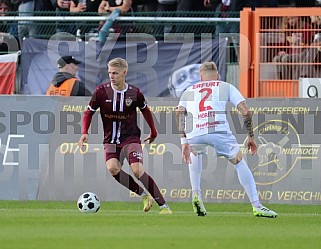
[(131, 149)]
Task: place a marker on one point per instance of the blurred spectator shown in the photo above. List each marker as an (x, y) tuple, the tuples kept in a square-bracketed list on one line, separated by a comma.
[(6, 26), (225, 8), (163, 6), (28, 8), (183, 8), (108, 6), (312, 69), (8, 30), (25, 28), (297, 38), (316, 56), (62, 9), (85, 7)]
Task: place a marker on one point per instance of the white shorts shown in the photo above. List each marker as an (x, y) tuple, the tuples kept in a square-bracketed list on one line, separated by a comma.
[(224, 144)]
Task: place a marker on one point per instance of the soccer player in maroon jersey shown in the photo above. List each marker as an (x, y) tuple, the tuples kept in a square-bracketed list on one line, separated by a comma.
[(118, 102)]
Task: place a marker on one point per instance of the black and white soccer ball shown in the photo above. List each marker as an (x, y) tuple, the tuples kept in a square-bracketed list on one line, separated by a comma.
[(88, 203)]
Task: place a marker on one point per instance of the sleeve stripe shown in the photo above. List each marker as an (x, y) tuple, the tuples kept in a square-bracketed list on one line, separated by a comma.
[(91, 109), (143, 107)]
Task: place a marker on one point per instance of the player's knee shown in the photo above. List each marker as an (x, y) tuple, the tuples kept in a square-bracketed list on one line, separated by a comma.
[(138, 173), (137, 169), (237, 159), (113, 170)]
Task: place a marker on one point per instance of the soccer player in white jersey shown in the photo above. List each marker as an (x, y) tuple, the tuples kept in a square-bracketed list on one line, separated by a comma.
[(202, 122)]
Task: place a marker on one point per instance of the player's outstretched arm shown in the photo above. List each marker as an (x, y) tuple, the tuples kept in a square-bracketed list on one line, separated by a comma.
[(247, 117)]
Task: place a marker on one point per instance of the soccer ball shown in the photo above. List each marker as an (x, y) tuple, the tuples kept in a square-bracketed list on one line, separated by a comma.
[(88, 203)]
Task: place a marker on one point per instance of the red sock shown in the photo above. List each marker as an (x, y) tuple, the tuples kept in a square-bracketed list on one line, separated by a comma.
[(152, 188), (126, 180)]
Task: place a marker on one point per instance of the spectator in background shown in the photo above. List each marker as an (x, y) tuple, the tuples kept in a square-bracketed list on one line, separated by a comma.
[(163, 6), (312, 69), (25, 28), (297, 37), (62, 9), (108, 6), (85, 6), (28, 8), (224, 7), (7, 27), (64, 82), (182, 9), (8, 30)]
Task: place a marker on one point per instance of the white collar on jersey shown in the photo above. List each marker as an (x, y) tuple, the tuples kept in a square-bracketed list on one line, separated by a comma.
[(118, 90)]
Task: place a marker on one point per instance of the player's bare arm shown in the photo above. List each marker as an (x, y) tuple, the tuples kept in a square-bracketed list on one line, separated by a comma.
[(180, 115), (247, 117)]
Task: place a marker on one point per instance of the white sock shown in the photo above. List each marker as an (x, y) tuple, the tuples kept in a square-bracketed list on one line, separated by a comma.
[(164, 206), (247, 180), (195, 172)]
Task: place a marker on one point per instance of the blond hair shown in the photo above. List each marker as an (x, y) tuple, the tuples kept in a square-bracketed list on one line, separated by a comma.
[(119, 63), (208, 67)]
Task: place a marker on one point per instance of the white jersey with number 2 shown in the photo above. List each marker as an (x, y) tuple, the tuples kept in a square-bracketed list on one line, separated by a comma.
[(205, 103)]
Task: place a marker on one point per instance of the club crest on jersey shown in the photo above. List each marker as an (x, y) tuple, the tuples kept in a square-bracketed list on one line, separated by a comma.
[(128, 102)]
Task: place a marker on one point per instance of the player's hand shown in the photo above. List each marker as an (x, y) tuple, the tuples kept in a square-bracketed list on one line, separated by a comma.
[(149, 139), (186, 153), (251, 145), (83, 139)]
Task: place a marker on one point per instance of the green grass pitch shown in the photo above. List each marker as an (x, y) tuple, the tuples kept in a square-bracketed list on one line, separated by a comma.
[(51, 224)]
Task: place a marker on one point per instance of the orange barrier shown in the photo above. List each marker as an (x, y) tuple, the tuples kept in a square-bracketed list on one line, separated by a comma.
[(277, 47)]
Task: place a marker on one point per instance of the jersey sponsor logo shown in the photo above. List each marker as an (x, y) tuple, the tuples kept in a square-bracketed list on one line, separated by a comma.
[(207, 125), (116, 116), (128, 102)]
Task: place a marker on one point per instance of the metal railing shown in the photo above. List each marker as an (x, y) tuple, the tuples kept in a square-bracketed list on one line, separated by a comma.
[(45, 24)]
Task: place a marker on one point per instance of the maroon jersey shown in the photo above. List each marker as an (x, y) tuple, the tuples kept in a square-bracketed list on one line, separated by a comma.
[(118, 110)]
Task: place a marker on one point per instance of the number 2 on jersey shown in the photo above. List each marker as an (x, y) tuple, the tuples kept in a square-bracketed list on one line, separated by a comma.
[(202, 106)]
